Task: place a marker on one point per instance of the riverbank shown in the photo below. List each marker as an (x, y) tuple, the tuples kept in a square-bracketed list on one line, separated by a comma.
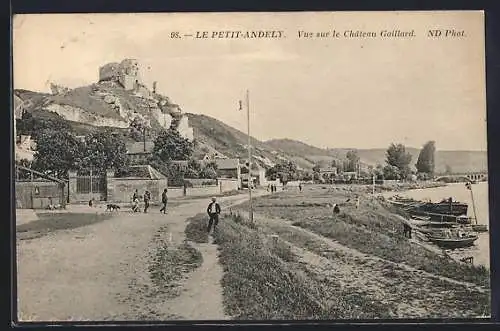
[(406, 186), (301, 261)]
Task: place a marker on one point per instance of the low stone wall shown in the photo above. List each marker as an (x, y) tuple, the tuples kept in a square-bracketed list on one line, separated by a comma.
[(39, 194), (227, 185), (122, 189), (175, 192), (202, 191)]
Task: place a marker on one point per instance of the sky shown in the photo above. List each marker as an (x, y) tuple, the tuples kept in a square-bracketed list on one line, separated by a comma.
[(327, 92)]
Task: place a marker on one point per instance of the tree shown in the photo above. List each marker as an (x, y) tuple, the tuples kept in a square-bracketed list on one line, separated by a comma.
[(170, 145), (396, 156), (208, 172), (353, 160), (139, 127), (425, 161), (379, 171), (34, 126), (284, 170), (56, 153), (24, 163), (391, 172), (103, 150)]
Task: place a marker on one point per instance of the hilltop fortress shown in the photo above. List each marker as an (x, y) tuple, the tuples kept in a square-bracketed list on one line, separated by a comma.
[(118, 98)]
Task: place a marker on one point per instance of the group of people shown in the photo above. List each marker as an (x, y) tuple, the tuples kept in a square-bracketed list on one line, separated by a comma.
[(147, 201), (213, 209)]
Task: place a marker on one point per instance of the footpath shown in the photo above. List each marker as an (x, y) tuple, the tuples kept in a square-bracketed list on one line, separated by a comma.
[(93, 272)]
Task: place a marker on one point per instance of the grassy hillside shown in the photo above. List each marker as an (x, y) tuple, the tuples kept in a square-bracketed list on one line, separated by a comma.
[(213, 135), (459, 161)]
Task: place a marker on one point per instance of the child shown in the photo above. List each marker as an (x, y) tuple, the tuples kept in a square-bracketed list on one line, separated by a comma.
[(135, 205)]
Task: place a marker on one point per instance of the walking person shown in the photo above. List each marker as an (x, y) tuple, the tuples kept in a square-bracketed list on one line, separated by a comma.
[(213, 211), (135, 205), (300, 187), (336, 208), (164, 200), (147, 198)]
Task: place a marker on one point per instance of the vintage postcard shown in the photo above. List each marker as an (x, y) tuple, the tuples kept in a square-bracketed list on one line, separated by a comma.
[(251, 166)]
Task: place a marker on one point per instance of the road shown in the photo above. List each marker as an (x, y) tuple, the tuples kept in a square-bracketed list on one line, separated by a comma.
[(95, 272)]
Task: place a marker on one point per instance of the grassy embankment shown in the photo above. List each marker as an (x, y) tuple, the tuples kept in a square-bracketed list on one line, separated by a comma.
[(169, 263), (304, 276)]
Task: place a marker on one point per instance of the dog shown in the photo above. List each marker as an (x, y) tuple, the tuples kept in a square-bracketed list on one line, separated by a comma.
[(112, 207)]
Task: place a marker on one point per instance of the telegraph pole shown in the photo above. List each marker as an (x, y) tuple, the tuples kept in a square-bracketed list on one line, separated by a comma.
[(250, 181)]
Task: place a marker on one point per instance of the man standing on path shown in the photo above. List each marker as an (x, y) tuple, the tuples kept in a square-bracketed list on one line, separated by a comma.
[(147, 198), (164, 200), (213, 211)]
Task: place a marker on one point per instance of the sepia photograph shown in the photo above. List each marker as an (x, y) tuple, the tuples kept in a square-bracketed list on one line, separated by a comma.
[(250, 166)]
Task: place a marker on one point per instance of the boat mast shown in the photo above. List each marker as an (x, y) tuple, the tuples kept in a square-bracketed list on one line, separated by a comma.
[(473, 203)]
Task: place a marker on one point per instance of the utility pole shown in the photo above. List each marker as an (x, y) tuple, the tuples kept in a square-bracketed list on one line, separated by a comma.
[(373, 183), (250, 181)]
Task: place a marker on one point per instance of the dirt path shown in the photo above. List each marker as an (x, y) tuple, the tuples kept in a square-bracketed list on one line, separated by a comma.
[(97, 272), (202, 299)]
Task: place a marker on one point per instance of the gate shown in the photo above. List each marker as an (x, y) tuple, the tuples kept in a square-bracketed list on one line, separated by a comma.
[(94, 185)]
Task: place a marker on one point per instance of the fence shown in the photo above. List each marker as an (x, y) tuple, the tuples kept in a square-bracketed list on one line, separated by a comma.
[(122, 189), (82, 188)]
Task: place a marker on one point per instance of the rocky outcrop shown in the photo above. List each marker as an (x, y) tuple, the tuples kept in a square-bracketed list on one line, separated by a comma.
[(75, 114), (184, 129), (59, 89)]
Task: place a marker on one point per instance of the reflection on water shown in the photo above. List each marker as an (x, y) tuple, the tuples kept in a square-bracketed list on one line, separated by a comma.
[(481, 250)]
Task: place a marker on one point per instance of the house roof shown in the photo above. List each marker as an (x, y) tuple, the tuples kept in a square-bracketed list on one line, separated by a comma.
[(227, 163), (145, 171), (39, 174), (138, 147)]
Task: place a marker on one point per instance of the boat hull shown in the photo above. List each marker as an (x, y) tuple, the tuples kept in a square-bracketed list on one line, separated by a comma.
[(479, 227), (455, 209), (453, 243)]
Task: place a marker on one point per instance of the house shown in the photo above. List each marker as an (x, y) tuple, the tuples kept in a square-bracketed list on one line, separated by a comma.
[(328, 171), (348, 175), (228, 168), (139, 152), (213, 156), (258, 174)]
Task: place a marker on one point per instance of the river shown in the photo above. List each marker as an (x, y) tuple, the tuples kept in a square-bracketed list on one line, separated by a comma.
[(481, 250)]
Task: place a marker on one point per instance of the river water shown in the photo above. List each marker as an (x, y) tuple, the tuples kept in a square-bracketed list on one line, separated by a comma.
[(481, 250)]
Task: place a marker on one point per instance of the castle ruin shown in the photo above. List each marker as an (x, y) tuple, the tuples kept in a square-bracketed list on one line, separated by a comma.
[(126, 73)]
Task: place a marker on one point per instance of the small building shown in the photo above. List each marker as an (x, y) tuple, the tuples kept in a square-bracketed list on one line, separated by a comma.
[(259, 174), (348, 175), (140, 152), (328, 171), (228, 168), (35, 190)]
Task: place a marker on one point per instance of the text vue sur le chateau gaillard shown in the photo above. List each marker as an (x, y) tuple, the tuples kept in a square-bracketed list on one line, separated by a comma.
[(277, 34)]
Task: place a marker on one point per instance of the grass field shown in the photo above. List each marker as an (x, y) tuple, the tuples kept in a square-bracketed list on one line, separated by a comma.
[(354, 265)]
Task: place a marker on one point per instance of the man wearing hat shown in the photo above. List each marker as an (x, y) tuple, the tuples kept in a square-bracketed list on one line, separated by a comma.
[(213, 211)]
